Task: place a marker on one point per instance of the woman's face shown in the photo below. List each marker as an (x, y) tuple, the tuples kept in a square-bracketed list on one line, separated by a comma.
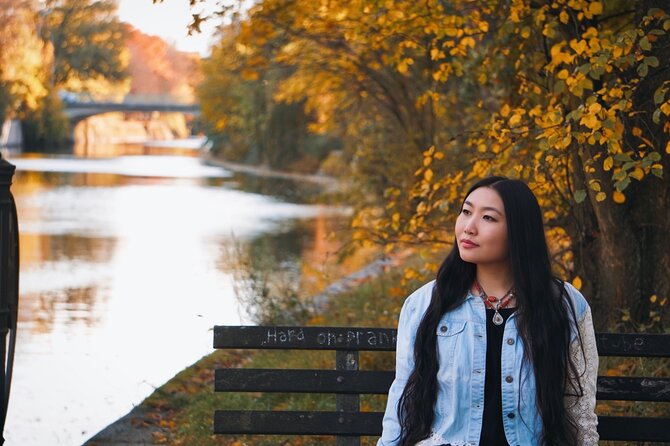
[(481, 228)]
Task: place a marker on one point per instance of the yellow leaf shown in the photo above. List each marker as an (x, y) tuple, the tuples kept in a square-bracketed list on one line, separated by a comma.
[(607, 164), (564, 17), (600, 196), (428, 175), (579, 46), (468, 42), (515, 120), (596, 8), (577, 282), (653, 298), (638, 174), (595, 107), (667, 147), (590, 33), (637, 131), (563, 74), (436, 53), (504, 112), (590, 121), (618, 197)]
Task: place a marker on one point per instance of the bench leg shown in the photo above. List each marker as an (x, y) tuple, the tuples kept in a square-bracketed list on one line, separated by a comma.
[(347, 360)]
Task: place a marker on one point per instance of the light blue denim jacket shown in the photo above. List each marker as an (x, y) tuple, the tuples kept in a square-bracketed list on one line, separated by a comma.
[(461, 347)]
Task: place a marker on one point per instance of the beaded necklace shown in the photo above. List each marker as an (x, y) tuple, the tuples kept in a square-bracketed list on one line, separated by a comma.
[(494, 303)]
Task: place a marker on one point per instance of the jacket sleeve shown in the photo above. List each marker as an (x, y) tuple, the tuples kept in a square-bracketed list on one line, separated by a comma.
[(403, 368), (582, 407)]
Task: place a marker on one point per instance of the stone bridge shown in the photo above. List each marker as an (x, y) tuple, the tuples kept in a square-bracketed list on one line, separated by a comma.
[(79, 110)]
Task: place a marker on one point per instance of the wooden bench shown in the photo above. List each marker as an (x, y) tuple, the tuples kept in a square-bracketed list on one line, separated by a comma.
[(348, 423)]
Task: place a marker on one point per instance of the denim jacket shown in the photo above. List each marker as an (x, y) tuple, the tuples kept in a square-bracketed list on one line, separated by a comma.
[(461, 344)]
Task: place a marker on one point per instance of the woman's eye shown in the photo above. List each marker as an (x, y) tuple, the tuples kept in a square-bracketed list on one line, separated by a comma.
[(465, 211), (488, 218)]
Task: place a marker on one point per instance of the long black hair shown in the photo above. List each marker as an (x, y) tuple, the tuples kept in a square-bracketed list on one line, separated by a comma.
[(544, 314)]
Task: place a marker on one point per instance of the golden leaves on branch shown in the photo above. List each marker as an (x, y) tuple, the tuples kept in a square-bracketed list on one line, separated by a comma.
[(517, 90)]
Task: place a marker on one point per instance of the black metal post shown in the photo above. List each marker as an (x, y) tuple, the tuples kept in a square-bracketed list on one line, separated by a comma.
[(9, 285)]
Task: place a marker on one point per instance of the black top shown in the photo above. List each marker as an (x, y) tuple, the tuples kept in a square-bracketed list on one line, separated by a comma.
[(493, 433)]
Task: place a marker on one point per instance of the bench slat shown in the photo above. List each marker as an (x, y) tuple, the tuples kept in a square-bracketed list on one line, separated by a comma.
[(633, 389), (369, 424), (384, 339), (378, 382), (303, 381), (634, 428), (305, 338), (297, 423), (633, 344)]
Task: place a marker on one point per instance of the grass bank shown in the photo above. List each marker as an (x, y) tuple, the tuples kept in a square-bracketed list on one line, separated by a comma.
[(186, 403)]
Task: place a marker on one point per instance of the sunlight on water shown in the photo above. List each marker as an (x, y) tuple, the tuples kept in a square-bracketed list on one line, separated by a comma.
[(121, 282), (142, 166)]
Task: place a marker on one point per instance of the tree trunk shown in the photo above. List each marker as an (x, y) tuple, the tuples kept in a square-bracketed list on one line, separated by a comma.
[(622, 251)]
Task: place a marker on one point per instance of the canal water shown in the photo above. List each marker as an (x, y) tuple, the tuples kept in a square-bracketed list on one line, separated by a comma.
[(126, 264)]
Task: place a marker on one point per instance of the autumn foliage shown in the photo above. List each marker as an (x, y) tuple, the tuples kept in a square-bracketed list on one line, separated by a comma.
[(572, 96)]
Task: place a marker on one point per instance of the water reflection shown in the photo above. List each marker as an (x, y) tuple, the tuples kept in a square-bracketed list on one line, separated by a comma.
[(122, 278), (287, 190)]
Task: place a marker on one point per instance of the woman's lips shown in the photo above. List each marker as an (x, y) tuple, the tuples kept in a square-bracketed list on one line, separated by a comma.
[(468, 244)]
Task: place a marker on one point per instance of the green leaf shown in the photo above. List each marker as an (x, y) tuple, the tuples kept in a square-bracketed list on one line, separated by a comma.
[(656, 117), (644, 43), (574, 115), (596, 72), (659, 94), (580, 195), (623, 157), (585, 68), (559, 87), (642, 69), (655, 156), (618, 176), (623, 184), (651, 61), (657, 172)]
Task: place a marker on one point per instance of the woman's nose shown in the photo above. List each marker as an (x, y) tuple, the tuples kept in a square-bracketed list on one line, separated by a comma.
[(469, 228)]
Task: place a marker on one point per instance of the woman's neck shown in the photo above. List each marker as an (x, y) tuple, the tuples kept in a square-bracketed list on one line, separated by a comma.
[(495, 280)]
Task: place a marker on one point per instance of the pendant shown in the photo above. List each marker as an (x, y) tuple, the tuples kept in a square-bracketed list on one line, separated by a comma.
[(498, 319)]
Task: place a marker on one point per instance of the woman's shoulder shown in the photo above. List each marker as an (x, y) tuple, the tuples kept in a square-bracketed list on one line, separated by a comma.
[(419, 299), (579, 302)]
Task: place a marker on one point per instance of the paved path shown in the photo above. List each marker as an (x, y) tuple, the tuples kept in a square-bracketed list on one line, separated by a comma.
[(140, 427)]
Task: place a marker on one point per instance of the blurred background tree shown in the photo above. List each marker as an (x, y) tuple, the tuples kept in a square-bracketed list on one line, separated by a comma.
[(246, 120), (71, 45), (21, 59), (87, 40)]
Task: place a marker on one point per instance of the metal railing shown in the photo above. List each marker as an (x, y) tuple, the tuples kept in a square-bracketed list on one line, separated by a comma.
[(9, 285)]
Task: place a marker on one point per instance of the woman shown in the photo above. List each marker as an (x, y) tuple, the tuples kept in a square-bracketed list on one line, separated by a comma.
[(495, 351)]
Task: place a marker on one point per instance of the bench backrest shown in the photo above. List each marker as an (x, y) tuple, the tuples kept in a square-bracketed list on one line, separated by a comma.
[(348, 382)]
